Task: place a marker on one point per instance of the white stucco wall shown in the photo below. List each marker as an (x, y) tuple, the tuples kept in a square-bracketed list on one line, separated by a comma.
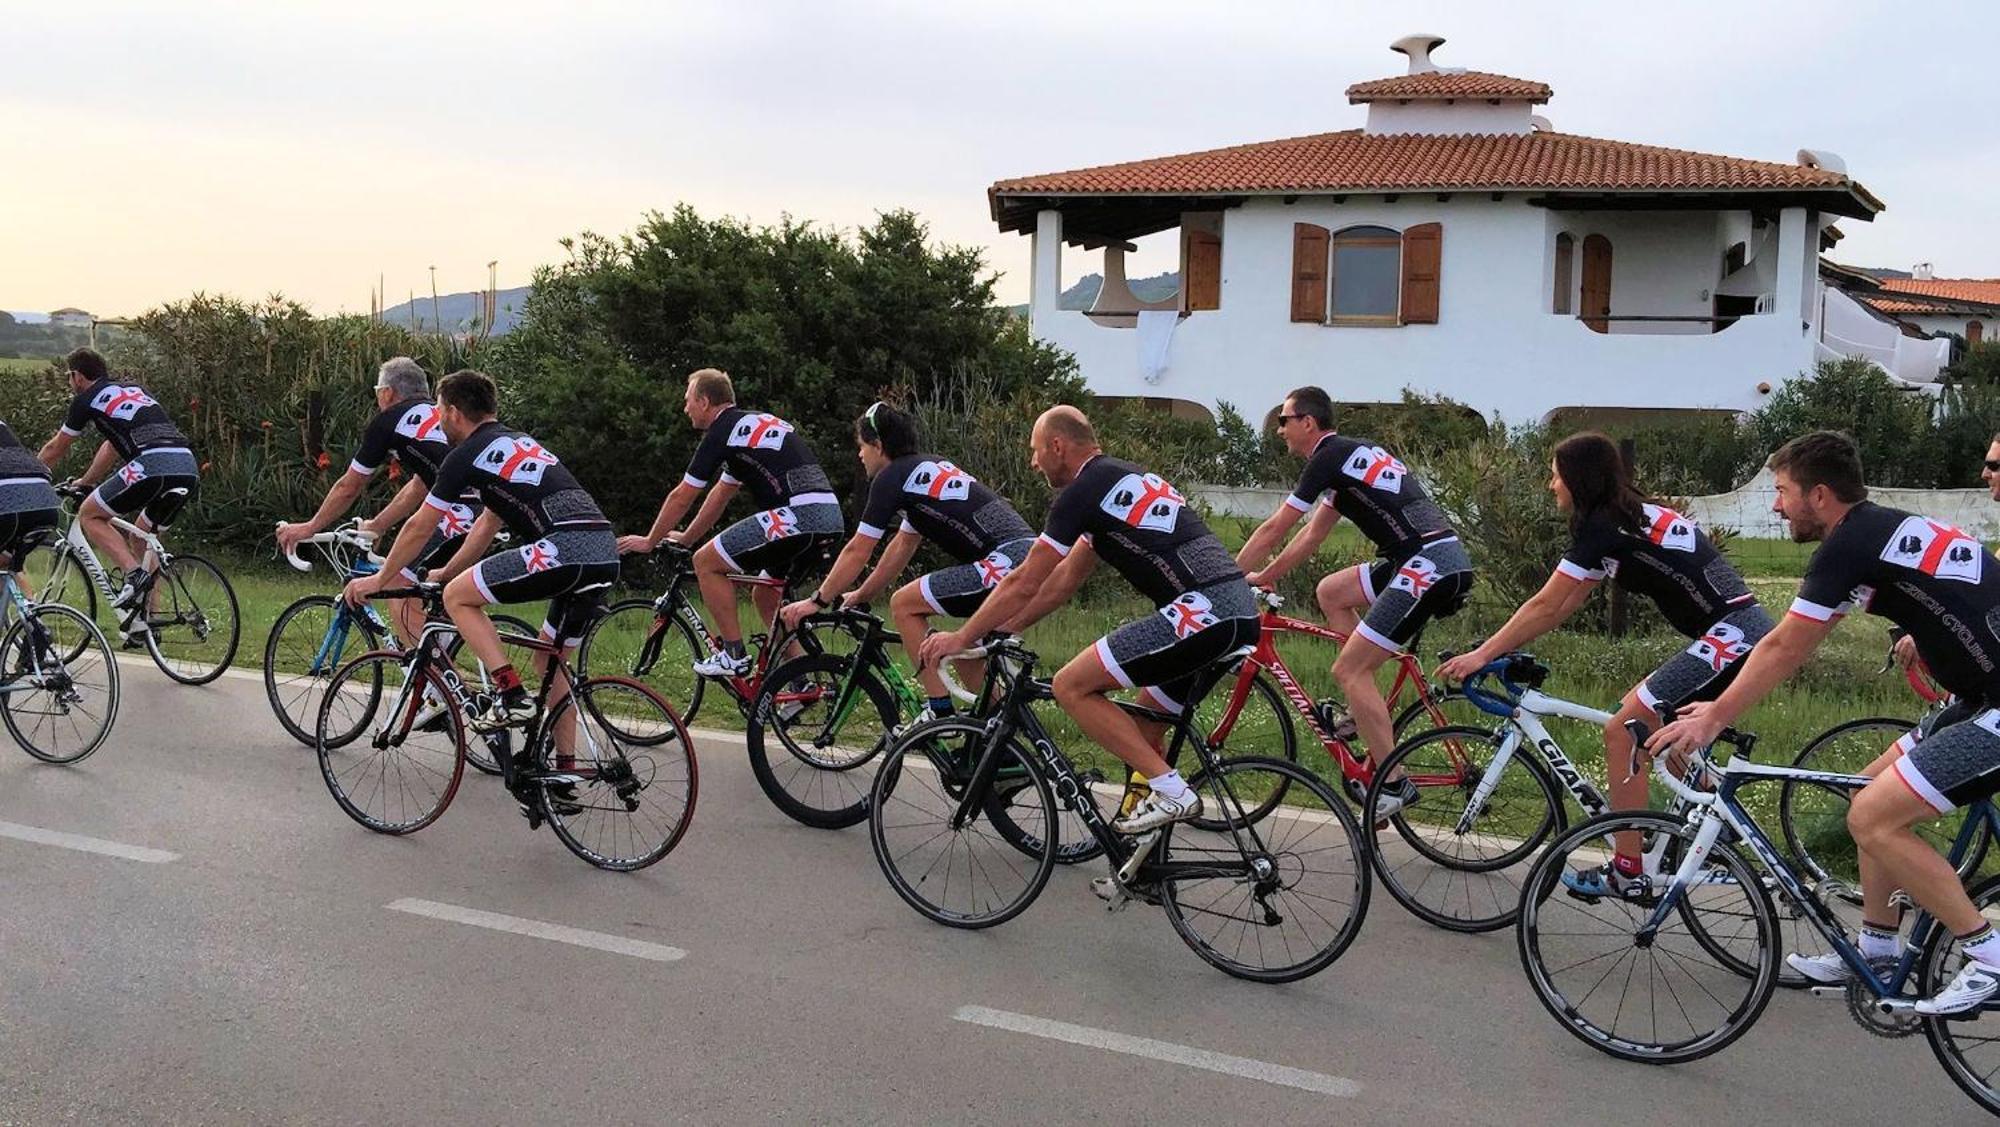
[(1747, 511), (1467, 116), (1953, 324)]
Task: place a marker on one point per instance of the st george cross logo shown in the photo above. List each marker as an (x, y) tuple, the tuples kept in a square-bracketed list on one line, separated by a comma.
[(1374, 466), (1415, 577), (778, 523), (121, 403), (1190, 614), (1144, 501), (455, 521), (132, 473), (759, 432), (539, 556), (940, 481), (1937, 550), (993, 569), (1721, 646), (517, 461), (420, 424), (1668, 528)]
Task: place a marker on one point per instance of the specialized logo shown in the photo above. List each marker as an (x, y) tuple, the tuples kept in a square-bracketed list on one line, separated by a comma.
[(1190, 614), (420, 424), (132, 473), (1415, 577), (759, 432), (1668, 529), (1938, 550), (940, 481), (1374, 466), (119, 402), (993, 569), (539, 556), (778, 523), (517, 461), (1145, 501), (456, 521), (1721, 646)]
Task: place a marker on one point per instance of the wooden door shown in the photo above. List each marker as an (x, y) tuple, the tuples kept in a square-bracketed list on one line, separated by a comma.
[(1596, 296), (1204, 271)]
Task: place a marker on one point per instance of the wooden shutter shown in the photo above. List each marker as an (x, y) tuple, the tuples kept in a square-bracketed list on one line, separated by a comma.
[(1565, 282), (1309, 249), (1423, 251), (1974, 331), (1204, 271), (1596, 283)]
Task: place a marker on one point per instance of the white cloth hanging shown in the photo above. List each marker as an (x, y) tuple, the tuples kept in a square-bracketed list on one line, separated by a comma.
[(1156, 339)]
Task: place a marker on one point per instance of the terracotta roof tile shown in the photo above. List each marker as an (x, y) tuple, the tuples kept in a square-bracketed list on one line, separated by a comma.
[(1896, 305), (1437, 85), (1977, 291)]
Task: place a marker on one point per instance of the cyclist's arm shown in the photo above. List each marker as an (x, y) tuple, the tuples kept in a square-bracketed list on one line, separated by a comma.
[(894, 559), (338, 500), (846, 568), (403, 553), (100, 464), (719, 497), (1057, 589), (1012, 594), (54, 449), (1302, 547), (1257, 550), (1545, 610), (408, 500), (678, 501), (477, 541)]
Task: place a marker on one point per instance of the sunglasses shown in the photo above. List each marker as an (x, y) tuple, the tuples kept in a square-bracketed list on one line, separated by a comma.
[(1284, 418)]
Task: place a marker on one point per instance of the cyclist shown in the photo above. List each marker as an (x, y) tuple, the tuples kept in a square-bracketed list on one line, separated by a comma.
[(1144, 528), (939, 502), (567, 554), (1423, 572), (1615, 530), (406, 428), (158, 479), (28, 504), (800, 515), (1942, 586)]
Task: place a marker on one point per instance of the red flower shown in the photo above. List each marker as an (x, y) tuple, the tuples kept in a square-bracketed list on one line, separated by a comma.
[(267, 424), (323, 460), (205, 465)]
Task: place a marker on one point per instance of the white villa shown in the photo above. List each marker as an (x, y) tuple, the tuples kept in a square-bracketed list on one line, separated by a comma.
[(1968, 308), (1456, 244)]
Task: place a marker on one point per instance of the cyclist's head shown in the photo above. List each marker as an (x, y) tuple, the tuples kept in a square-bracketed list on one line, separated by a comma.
[(708, 392), (86, 367), (883, 433), (1818, 477), (1304, 418), (1062, 441), (401, 378), (466, 399), (1591, 477), (1990, 472)]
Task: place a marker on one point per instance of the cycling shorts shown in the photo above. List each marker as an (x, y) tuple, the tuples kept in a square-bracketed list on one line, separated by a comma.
[(1952, 759), (19, 530), (573, 570), (157, 484), (958, 591), (445, 539), (780, 541), (1167, 651), (1432, 583), (1708, 664)]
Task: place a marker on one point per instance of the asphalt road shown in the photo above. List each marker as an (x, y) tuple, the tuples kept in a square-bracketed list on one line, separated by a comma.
[(245, 953)]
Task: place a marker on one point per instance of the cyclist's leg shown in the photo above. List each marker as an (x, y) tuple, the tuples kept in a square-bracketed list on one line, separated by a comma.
[(954, 592), (569, 615), (1433, 583), (114, 497), (1344, 596), (712, 567), (406, 616)]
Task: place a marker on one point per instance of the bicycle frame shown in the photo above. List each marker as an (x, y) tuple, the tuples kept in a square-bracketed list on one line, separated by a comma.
[(674, 603), (1523, 725), (14, 602), (75, 544)]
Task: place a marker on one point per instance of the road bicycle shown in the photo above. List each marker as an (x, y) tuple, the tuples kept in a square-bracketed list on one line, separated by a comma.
[(1701, 952), (58, 679), (315, 633), (1261, 891), (191, 624), (392, 738)]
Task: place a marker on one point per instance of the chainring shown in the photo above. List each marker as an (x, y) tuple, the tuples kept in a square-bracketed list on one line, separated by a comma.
[(1861, 1007)]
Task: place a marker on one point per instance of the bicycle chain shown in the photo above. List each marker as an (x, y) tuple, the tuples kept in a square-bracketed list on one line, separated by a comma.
[(1861, 1007)]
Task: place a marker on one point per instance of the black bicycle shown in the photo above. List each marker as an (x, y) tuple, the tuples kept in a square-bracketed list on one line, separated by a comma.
[(962, 809)]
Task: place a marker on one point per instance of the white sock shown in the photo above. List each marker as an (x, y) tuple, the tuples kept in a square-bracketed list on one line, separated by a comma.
[(1983, 945), (1878, 944), (1170, 786)]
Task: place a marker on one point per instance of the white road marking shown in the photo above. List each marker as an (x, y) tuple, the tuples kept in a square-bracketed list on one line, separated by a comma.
[(595, 940), (84, 844), (1159, 1050)]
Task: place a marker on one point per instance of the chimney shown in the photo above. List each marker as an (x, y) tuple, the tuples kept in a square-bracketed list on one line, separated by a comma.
[(1419, 47), (1922, 272)]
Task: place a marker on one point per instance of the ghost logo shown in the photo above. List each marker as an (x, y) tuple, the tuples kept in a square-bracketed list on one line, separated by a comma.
[(1145, 501)]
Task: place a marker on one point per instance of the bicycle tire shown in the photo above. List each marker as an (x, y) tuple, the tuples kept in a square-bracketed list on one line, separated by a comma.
[(1457, 708), (357, 779), (624, 628), (1447, 888), (908, 796), (202, 615), (286, 691), (1542, 896), (1948, 1036), (664, 768), (819, 784), (30, 726), (1281, 855), (1270, 736)]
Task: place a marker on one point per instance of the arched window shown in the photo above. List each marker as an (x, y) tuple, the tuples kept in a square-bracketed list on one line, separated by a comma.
[(1565, 281), (1366, 275)]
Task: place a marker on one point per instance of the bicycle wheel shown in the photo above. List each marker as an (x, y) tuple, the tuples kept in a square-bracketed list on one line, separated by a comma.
[(404, 766), (634, 640), (1814, 817), (60, 579), (1659, 1000), (1264, 897), (1452, 704), (629, 803), (964, 875), (827, 720), (1967, 1046), (306, 645), (192, 623), (1259, 725), (485, 750), (59, 709)]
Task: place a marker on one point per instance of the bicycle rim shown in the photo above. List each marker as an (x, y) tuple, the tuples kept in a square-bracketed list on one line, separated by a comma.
[(1969, 1046), (632, 802), (192, 622), (815, 725), (400, 773), (307, 644), (1261, 726), (633, 640), (71, 711)]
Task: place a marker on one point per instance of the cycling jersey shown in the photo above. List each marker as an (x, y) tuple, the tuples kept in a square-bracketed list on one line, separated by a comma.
[(128, 418), (533, 493), (1369, 486), (16, 460), (943, 504), (1929, 578), (763, 452), (1667, 559), (409, 432), (1141, 526)]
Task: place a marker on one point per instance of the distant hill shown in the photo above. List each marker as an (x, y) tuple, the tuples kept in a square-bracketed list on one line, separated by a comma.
[(1081, 295), (457, 311), (1880, 273)]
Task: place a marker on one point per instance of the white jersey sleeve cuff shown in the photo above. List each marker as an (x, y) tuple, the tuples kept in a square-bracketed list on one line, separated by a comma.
[(908, 527), (1578, 572), (71, 433), (364, 471), (1807, 609), (730, 478), (1061, 549), (438, 503), (693, 482), (863, 528), (1292, 501)]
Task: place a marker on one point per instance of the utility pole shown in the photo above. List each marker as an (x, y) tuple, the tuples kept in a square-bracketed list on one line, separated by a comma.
[(437, 322)]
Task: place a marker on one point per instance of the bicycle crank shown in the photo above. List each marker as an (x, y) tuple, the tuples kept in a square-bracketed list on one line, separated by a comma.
[(1889, 1018)]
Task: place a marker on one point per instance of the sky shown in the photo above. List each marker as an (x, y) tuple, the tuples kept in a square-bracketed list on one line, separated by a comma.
[(149, 150)]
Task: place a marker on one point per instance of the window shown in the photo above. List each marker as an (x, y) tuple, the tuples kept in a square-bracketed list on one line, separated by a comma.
[(1565, 283), (1975, 331), (1366, 275)]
